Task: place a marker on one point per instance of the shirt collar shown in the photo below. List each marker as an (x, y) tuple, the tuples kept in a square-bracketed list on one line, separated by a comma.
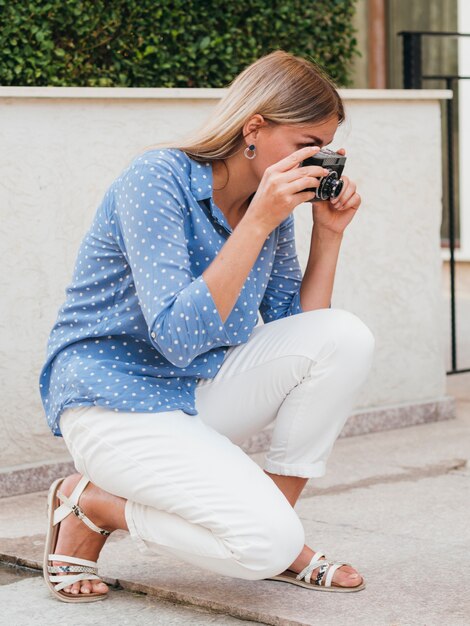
[(201, 187), (200, 179)]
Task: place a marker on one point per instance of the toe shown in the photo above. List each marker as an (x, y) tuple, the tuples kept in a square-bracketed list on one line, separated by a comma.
[(76, 588), (85, 587), (347, 576), (100, 587)]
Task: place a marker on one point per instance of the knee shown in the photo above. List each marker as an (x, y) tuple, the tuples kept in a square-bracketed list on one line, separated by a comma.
[(348, 341), (355, 347), (352, 330), (338, 327), (273, 546)]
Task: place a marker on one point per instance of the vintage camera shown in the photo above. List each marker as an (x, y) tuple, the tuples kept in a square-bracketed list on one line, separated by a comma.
[(331, 185)]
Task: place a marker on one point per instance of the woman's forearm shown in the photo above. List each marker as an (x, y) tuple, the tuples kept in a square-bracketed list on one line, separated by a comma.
[(227, 273), (319, 276)]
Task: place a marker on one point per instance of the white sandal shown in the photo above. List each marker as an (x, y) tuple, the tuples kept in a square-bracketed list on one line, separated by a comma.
[(288, 576), (88, 569)]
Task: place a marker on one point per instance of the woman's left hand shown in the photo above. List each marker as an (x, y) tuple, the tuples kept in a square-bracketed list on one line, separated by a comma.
[(335, 215)]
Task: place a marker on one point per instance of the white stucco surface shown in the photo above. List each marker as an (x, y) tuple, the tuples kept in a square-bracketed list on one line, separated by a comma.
[(59, 154)]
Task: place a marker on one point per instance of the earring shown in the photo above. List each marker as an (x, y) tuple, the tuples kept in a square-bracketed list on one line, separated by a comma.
[(252, 149)]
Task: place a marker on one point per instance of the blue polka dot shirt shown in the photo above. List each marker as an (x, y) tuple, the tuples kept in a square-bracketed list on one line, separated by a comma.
[(139, 326)]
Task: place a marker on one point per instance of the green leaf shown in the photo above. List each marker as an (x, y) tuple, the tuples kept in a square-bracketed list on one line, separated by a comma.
[(205, 42)]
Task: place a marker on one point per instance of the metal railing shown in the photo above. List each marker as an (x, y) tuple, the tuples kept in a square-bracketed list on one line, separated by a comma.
[(413, 78)]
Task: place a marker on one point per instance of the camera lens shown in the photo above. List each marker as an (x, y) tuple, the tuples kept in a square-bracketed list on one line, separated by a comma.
[(330, 187), (325, 187), (336, 188)]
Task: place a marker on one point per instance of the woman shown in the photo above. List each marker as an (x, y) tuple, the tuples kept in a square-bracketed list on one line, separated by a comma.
[(157, 371)]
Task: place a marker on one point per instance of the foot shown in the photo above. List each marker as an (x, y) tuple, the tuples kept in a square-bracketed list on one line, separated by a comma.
[(76, 539), (345, 576)]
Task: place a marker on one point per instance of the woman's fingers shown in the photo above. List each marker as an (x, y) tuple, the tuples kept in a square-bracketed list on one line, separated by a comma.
[(353, 203), (345, 196), (304, 196), (315, 171), (301, 184), (293, 160)]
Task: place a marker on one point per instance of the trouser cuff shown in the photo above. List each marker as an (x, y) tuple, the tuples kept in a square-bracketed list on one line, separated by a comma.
[(139, 542), (303, 470)]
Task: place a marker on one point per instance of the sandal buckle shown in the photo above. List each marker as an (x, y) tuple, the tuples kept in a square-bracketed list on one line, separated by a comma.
[(77, 511)]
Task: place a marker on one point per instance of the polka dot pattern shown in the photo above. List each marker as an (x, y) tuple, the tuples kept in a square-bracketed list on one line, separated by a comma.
[(139, 326)]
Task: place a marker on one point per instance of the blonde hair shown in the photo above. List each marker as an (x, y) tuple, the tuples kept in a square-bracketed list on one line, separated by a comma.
[(283, 88)]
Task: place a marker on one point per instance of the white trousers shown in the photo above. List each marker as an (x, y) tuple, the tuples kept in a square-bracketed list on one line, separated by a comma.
[(191, 491)]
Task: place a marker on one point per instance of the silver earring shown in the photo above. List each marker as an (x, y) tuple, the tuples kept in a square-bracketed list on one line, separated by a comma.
[(252, 149)]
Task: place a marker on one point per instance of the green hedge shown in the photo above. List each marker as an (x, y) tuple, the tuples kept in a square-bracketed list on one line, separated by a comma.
[(173, 43)]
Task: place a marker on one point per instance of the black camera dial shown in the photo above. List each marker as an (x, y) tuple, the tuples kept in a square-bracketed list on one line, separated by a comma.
[(330, 187)]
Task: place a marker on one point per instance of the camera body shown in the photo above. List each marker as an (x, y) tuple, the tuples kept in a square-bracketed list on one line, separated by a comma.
[(330, 185)]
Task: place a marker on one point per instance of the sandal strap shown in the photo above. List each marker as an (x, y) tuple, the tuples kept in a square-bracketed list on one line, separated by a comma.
[(58, 569), (65, 581), (329, 568), (72, 559), (70, 505), (315, 562), (63, 510), (321, 573), (331, 572)]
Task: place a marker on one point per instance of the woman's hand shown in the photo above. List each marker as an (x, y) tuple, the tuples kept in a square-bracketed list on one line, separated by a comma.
[(334, 215), (283, 187)]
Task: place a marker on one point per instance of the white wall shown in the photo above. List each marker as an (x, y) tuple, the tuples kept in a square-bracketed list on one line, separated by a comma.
[(62, 147)]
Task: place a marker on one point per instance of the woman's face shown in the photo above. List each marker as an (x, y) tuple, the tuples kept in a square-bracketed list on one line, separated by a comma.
[(276, 141)]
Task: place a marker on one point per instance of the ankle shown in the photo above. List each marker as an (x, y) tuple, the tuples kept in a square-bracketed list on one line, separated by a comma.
[(106, 510), (302, 560)]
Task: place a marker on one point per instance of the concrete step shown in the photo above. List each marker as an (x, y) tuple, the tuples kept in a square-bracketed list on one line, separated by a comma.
[(121, 607)]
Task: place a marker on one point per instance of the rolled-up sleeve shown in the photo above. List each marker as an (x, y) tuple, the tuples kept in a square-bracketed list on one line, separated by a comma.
[(180, 312), (282, 295)]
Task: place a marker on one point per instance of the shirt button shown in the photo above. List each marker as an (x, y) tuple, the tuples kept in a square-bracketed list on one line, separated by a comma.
[(152, 334)]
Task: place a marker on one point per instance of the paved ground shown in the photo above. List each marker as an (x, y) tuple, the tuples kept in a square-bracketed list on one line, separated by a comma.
[(121, 608), (394, 503)]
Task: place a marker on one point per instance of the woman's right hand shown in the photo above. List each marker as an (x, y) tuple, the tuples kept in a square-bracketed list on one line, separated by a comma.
[(282, 188)]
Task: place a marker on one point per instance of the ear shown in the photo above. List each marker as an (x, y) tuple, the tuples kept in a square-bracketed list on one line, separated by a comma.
[(252, 126)]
